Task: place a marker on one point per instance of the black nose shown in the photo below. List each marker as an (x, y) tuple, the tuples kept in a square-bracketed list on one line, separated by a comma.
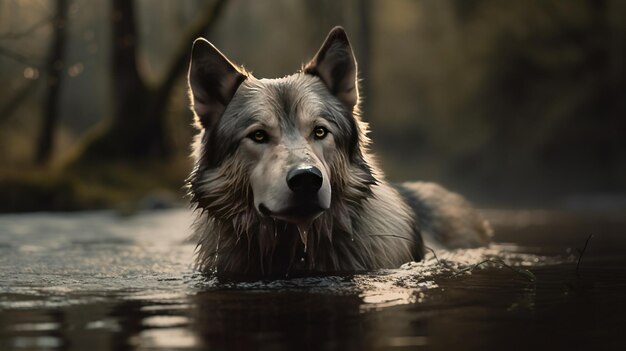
[(304, 179)]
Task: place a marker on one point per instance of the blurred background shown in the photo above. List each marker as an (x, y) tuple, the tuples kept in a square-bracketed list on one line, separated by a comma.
[(514, 104)]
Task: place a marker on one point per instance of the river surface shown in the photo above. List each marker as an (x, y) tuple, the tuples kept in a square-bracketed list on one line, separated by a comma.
[(98, 281)]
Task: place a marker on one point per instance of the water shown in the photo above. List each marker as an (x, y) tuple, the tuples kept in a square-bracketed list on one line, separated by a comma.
[(98, 281)]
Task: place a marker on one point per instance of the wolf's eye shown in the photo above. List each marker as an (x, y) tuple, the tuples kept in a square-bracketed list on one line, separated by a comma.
[(320, 132), (259, 136)]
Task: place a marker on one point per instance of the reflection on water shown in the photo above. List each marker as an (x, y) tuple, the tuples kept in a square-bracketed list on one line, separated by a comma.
[(99, 282)]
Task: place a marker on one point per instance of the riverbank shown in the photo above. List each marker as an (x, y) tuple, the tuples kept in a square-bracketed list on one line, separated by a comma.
[(118, 185)]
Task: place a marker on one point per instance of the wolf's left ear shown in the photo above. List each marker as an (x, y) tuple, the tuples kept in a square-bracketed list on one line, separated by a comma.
[(213, 80), (336, 66)]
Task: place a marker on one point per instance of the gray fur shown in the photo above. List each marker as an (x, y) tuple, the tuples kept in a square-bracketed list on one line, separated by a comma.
[(368, 224), (446, 220)]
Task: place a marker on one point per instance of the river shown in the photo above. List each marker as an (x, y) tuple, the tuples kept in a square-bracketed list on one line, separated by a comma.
[(100, 281)]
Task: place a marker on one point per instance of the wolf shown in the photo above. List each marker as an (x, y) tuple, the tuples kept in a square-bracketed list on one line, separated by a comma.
[(284, 181)]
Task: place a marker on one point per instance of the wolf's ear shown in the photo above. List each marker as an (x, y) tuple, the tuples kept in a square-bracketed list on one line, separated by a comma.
[(213, 80), (336, 66)]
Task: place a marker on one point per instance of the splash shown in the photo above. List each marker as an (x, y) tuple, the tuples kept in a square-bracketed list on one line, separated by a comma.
[(146, 258)]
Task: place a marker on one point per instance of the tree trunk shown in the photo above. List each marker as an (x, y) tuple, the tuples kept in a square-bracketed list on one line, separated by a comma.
[(55, 68), (137, 129), (133, 131)]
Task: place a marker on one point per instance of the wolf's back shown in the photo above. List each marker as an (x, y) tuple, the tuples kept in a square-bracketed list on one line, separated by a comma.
[(445, 219)]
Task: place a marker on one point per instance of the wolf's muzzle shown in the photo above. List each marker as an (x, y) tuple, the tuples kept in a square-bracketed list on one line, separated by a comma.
[(304, 179)]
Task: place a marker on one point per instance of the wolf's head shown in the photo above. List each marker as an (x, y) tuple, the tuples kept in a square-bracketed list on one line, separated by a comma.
[(286, 149)]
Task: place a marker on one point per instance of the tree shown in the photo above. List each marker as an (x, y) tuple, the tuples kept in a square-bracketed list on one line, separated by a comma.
[(55, 67), (136, 130)]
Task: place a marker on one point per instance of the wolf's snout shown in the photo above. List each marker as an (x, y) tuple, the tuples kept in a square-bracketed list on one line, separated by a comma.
[(304, 179)]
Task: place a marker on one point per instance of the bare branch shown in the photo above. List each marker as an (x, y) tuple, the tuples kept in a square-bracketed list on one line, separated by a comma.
[(581, 253), (18, 35), (17, 99), (17, 57)]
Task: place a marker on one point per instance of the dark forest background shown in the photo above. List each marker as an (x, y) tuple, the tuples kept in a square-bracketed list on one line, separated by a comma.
[(511, 103)]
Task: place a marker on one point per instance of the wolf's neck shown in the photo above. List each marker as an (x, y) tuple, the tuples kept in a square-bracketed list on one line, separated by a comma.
[(272, 247)]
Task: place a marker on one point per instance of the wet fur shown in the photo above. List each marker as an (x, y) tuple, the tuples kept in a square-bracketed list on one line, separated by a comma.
[(370, 223)]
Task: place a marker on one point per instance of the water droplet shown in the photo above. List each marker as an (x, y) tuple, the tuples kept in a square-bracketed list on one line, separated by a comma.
[(304, 234), (217, 251)]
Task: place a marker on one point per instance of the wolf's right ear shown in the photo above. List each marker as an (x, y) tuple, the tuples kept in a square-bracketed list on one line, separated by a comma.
[(213, 80)]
